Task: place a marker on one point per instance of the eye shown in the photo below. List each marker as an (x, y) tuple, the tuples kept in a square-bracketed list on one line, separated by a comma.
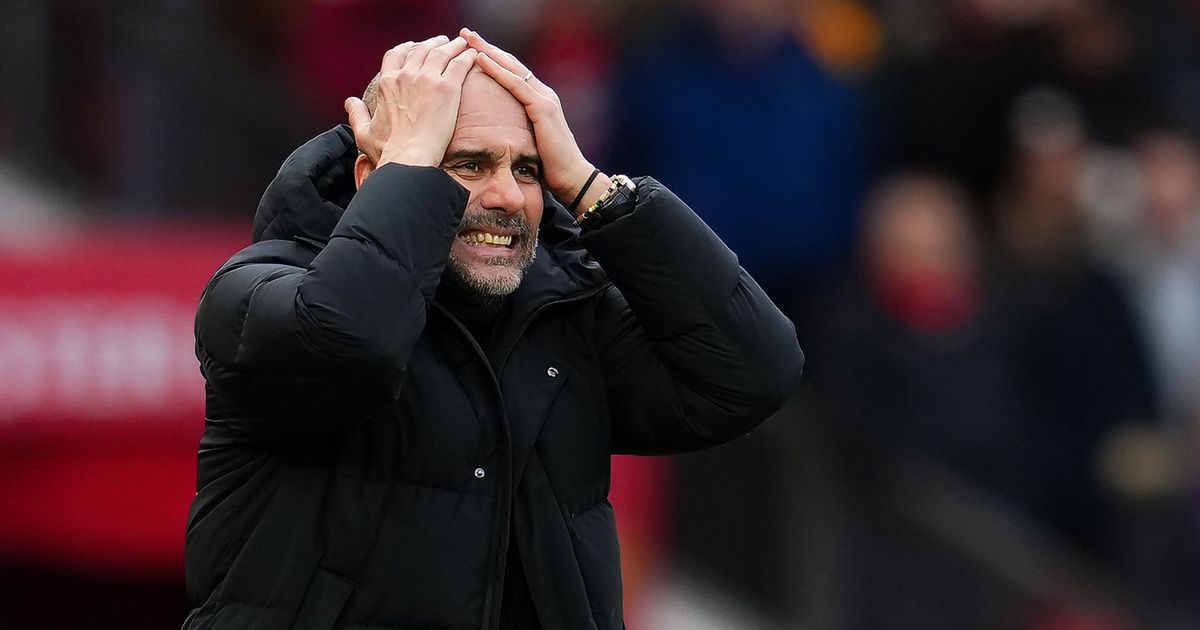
[(527, 172), (467, 169)]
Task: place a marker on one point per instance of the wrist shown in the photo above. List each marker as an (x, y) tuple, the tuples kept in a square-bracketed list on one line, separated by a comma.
[(566, 184), (593, 193), (410, 155), (612, 203), (586, 185)]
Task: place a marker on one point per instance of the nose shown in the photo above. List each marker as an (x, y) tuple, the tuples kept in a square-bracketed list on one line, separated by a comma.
[(503, 193)]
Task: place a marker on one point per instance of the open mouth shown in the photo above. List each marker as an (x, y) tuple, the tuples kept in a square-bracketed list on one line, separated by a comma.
[(484, 238)]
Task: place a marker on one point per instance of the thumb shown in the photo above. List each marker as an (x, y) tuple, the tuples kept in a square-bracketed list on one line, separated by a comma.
[(360, 122)]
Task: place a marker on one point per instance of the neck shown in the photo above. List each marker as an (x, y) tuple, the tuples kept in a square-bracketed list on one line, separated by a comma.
[(476, 311)]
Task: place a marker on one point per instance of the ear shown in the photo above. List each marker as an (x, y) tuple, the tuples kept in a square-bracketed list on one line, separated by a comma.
[(362, 168)]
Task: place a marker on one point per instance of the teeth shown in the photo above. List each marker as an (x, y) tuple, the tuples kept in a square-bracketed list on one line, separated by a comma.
[(488, 237)]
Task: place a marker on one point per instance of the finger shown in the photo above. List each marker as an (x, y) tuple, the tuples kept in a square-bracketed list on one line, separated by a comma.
[(477, 40), (460, 65), (499, 55), (394, 58), (416, 56), (505, 77), (441, 55), (360, 120), (359, 115), (505, 60)]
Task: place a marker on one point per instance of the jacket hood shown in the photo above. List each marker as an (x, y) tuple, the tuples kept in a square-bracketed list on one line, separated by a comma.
[(316, 182), (311, 190)]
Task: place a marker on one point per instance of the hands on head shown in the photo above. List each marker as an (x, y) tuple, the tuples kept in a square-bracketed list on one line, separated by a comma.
[(419, 90), (419, 87)]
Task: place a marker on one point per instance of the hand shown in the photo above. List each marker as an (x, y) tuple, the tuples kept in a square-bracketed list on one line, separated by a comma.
[(563, 166), (420, 86)]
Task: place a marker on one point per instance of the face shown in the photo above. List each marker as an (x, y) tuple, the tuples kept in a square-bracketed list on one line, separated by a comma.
[(918, 228), (492, 154)]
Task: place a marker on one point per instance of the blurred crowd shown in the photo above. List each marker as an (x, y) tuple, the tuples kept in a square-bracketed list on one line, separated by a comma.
[(983, 215)]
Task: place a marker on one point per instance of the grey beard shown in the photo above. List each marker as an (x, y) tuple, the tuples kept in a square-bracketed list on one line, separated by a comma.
[(473, 301), (457, 276)]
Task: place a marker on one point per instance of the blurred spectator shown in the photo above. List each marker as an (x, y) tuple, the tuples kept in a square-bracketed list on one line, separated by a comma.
[(919, 326), (1162, 259), (913, 358), (1078, 351), (735, 113), (1152, 468)]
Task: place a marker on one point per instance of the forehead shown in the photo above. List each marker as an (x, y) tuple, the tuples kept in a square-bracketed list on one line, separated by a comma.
[(489, 117)]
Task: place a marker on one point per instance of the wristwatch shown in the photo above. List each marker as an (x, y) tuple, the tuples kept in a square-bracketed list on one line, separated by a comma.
[(619, 193)]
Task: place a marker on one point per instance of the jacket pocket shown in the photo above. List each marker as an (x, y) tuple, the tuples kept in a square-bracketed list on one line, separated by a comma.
[(324, 599)]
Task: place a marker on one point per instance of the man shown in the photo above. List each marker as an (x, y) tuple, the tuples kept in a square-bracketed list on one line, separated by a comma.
[(414, 388)]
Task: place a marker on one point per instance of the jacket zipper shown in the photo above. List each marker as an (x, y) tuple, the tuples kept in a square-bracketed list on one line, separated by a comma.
[(500, 527)]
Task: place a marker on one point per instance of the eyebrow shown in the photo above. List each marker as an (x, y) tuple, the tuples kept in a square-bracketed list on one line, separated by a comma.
[(529, 158), (491, 157), (480, 155)]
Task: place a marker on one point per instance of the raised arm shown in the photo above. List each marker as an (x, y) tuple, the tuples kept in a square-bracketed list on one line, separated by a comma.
[(293, 342), (694, 353)]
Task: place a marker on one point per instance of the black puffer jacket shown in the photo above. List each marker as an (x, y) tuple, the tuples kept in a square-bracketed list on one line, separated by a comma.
[(364, 462)]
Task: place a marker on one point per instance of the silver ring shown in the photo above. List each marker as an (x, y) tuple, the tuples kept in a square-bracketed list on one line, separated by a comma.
[(528, 76)]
